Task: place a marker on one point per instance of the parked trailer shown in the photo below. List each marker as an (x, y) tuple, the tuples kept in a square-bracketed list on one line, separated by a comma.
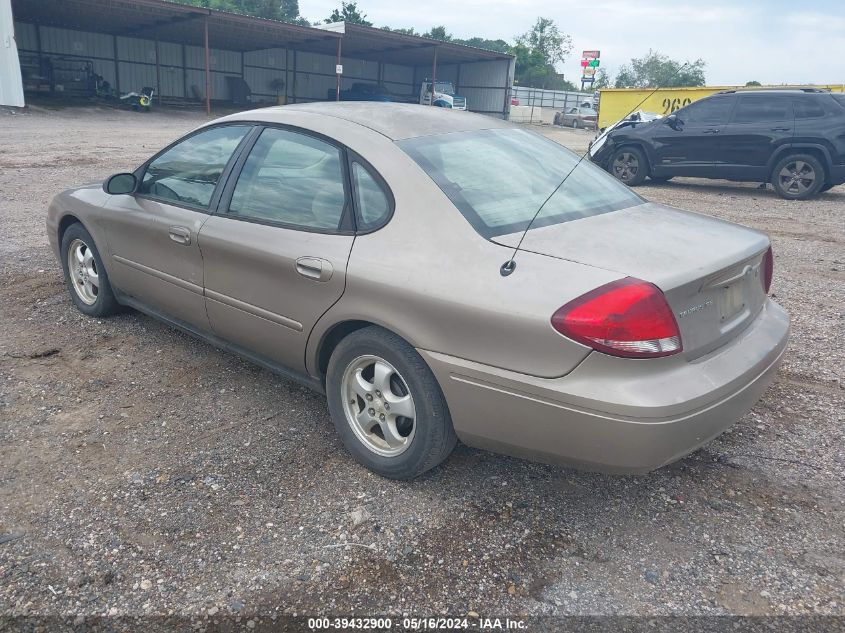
[(616, 103)]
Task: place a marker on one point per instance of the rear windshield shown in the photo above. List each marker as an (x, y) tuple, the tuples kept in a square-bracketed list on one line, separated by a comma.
[(499, 178), (840, 98)]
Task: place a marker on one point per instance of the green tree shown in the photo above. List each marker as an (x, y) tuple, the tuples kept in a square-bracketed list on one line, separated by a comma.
[(546, 40), (537, 53), (753, 83), (438, 33), (659, 71), (602, 80), (500, 46), (348, 12)]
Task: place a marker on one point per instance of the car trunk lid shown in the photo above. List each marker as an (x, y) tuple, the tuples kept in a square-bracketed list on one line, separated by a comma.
[(709, 270)]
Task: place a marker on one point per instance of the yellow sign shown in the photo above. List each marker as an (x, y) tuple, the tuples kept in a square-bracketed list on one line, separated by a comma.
[(617, 103)]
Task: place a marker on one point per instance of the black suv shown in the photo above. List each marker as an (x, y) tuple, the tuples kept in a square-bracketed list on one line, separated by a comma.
[(793, 139)]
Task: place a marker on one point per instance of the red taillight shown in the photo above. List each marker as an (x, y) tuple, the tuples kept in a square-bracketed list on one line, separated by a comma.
[(628, 317), (768, 270)]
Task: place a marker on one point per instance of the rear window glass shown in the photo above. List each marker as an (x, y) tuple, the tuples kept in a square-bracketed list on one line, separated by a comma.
[(499, 178)]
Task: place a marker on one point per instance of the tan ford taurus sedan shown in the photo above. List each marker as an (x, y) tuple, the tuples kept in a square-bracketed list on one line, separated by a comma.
[(359, 248)]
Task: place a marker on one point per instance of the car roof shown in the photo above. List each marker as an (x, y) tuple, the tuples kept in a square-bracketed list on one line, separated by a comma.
[(393, 120), (769, 91)]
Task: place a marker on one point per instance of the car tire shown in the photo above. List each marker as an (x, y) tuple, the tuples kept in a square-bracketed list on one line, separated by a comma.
[(660, 178), (798, 177), (85, 276), (575, 124), (629, 165), (371, 370)]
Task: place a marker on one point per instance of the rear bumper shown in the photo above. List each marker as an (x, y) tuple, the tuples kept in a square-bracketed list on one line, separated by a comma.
[(612, 414)]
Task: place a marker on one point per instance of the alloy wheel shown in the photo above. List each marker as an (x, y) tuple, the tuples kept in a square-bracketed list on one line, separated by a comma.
[(797, 177), (625, 166), (378, 405), (82, 270)]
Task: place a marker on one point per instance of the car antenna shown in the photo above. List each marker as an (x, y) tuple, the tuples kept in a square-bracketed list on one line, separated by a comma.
[(510, 265)]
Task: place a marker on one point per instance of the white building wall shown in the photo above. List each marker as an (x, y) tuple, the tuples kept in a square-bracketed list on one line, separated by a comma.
[(11, 85)]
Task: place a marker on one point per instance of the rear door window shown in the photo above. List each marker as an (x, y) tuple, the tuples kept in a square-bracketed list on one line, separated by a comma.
[(763, 109), (291, 179)]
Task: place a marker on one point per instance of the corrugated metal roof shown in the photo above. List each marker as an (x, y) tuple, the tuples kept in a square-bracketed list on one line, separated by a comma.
[(184, 24), (172, 22), (408, 50)]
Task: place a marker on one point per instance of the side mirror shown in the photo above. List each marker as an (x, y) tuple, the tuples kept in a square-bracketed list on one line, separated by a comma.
[(120, 184), (674, 122)]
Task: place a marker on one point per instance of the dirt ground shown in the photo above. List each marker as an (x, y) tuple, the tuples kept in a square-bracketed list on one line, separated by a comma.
[(145, 473)]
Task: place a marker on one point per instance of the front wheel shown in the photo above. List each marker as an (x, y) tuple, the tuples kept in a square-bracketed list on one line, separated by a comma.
[(629, 165), (85, 275), (575, 125), (387, 406), (798, 177)]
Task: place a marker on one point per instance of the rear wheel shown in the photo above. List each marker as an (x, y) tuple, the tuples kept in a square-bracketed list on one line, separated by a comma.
[(629, 165), (387, 406), (798, 177), (575, 125)]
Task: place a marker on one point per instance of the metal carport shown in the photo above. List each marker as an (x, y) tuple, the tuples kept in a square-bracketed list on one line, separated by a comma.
[(184, 51)]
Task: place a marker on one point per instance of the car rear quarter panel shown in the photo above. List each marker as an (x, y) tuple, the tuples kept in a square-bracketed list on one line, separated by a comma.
[(614, 414)]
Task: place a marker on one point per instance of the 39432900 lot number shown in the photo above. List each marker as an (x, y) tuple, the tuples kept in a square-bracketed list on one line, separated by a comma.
[(346, 624)]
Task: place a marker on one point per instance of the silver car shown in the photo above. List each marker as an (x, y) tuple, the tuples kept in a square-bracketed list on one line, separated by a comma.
[(580, 117), (365, 250)]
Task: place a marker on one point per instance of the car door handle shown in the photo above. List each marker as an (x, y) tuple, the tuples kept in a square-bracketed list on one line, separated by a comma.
[(314, 268), (712, 130), (781, 129), (180, 235)]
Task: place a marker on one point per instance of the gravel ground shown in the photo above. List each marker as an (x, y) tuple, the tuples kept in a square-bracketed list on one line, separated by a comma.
[(144, 472)]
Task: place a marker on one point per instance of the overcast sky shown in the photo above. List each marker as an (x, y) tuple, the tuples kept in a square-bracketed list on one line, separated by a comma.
[(771, 41)]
